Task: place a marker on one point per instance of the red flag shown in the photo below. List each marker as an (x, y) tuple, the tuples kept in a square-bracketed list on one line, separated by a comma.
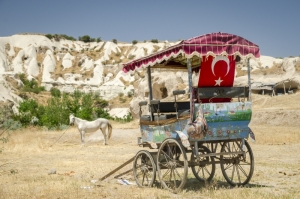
[(217, 71)]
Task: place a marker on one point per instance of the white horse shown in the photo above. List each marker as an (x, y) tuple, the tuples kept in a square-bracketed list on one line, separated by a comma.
[(85, 126)]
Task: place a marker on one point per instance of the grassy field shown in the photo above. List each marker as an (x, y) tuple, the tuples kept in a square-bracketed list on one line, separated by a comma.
[(32, 153)]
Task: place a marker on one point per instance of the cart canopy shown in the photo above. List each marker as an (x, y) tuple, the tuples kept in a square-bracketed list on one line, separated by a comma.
[(175, 57)]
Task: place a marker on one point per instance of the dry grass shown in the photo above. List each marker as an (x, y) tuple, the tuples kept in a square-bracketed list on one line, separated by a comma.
[(31, 153), (28, 157), (273, 70)]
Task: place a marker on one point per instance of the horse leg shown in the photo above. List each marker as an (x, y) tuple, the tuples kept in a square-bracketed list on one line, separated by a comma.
[(104, 135), (82, 137)]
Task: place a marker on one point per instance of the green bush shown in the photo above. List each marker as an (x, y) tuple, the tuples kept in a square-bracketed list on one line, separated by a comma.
[(99, 39), (101, 113), (55, 92), (67, 37), (85, 38), (55, 114), (11, 124), (114, 41), (30, 85), (134, 42), (154, 40), (49, 36), (126, 118), (27, 109)]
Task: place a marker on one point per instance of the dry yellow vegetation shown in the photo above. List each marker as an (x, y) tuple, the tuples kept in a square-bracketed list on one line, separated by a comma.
[(32, 153)]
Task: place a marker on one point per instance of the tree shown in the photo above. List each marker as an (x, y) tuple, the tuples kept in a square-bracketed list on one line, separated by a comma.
[(134, 42), (115, 41), (154, 40), (99, 39), (85, 38), (49, 36)]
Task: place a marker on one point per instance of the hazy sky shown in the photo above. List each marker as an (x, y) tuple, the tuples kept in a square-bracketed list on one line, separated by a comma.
[(274, 25)]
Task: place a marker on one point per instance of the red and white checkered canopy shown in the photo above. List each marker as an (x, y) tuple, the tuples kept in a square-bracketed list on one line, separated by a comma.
[(209, 44)]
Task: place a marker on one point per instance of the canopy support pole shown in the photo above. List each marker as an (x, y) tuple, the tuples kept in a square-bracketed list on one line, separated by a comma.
[(189, 66), (249, 79), (150, 90)]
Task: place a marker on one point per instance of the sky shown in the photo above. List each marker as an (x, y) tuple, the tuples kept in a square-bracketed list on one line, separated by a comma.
[(274, 25)]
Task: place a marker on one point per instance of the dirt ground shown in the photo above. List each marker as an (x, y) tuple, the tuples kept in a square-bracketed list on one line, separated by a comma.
[(31, 155)]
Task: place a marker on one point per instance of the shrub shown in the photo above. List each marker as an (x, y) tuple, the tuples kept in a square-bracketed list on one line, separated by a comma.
[(55, 92), (27, 109), (101, 113), (126, 118), (85, 38), (30, 85), (55, 115), (67, 37), (130, 94), (115, 41), (11, 124), (154, 40), (134, 42), (49, 36)]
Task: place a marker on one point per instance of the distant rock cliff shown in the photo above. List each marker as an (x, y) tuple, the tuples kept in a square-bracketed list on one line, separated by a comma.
[(96, 67)]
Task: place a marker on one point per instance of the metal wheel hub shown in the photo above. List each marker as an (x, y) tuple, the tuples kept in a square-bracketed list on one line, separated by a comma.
[(172, 164), (144, 169)]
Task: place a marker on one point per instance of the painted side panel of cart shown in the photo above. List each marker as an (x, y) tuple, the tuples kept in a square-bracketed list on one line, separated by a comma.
[(227, 120), (157, 134), (224, 120)]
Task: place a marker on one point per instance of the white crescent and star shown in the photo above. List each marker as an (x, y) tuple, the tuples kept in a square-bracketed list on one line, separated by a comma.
[(218, 82), (216, 59)]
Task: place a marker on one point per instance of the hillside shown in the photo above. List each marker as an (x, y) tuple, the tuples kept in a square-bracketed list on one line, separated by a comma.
[(96, 67)]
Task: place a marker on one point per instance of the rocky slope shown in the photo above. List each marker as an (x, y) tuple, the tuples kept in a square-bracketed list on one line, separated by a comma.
[(96, 67)]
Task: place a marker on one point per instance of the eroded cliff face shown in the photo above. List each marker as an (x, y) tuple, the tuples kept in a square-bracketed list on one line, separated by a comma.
[(97, 67)]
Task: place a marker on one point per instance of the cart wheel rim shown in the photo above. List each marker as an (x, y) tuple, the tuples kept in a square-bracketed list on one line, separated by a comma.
[(172, 165), (144, 169)]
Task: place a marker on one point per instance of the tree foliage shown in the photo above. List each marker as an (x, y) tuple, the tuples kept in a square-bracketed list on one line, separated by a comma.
[(56, 113), (134, 42), (55, 92), (30, 85), (115, 41), (87, 39), (57, 37)]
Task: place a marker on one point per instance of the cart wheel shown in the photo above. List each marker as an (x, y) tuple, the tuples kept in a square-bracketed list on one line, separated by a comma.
[(237, 168), (144, 169), (204, 170), (172, 165)]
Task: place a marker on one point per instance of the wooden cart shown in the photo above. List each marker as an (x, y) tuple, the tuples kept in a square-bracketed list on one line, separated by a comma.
[(210, 128)]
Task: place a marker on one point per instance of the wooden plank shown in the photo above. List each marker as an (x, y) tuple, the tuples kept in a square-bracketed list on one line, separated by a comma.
[(125, 172), (221, 92), (116, 169)]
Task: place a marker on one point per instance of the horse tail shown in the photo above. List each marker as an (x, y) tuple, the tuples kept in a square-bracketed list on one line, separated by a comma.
[(109, 129)]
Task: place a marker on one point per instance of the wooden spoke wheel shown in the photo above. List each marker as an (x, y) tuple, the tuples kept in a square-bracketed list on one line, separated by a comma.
[(237, 169), (203, 168), (144, 169), (172, 165)]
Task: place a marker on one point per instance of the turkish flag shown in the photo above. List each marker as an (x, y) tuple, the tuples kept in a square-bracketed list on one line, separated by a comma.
[(217, 72)]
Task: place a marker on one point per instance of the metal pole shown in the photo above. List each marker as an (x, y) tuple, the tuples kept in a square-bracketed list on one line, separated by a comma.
[(150, 90), (249, 79), (190, 88)]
